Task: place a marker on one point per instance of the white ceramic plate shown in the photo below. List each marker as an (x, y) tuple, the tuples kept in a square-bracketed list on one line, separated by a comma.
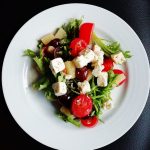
[(36, 116)]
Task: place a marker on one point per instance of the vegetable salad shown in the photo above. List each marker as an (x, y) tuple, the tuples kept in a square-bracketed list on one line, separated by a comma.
[(75, 69)]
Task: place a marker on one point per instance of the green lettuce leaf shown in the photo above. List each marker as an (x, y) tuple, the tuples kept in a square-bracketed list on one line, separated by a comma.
[(49, 94), (72, 28), (69, 118), (39, 62), (41, 84), (109, 47), (29, 53)]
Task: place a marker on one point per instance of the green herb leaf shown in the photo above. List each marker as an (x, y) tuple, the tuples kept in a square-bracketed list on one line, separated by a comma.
[(40, 45), (72, 28), (29, 53), (69, 119), (73, 121), (61, 78), (111, 47), (39, 62), (127, 54), (102, 94), (41, 84), (49, 94)]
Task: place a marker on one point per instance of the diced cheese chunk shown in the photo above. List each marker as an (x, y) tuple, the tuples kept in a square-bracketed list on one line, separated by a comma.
[(84, 87), (60, 88), (61, 33), (70, 69), (47, 38), (99, 54), (118, 58), (102, 79), (107, 105), (97, 70), (65, 111), (89, 55), (89, 75), (80, 61), (57, 65)]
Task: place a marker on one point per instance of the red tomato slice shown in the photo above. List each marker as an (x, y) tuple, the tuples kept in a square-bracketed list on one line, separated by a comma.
[(77, 45), (90, 121), (81, 106), (118, 71), (108, 64), (86, 31)]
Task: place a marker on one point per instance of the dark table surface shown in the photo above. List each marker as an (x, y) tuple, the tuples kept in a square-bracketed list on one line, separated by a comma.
[(14, 14)]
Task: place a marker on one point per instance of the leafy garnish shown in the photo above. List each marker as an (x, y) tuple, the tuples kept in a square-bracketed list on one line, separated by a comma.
[(100, 95), (61, 78), (49, 94), (65, 48), (72, 28), (111, 47), (70, 119), (41, 84), (44, 84), (127, 54), (72, 86), (29, 53), (40, 45), (39, 62)]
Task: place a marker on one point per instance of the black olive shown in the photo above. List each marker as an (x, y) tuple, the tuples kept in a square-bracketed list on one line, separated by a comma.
[(55, 43), (48, 52), (65, 100), (57, 52), (89, 66)]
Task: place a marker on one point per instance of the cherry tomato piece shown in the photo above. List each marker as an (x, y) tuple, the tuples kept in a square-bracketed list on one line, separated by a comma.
[(86, 31), (89, 122), (118, 71), (76, 46), (108, 64), (81, 106)]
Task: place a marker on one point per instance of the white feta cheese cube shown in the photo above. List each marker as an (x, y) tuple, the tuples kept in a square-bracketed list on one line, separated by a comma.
[(118, 58), (60, 88), (80, 61), (84, 87), (57, 65), (99, 54), (89, 55), (96, 48), (97, 70), (102, 79), (107, 105)]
